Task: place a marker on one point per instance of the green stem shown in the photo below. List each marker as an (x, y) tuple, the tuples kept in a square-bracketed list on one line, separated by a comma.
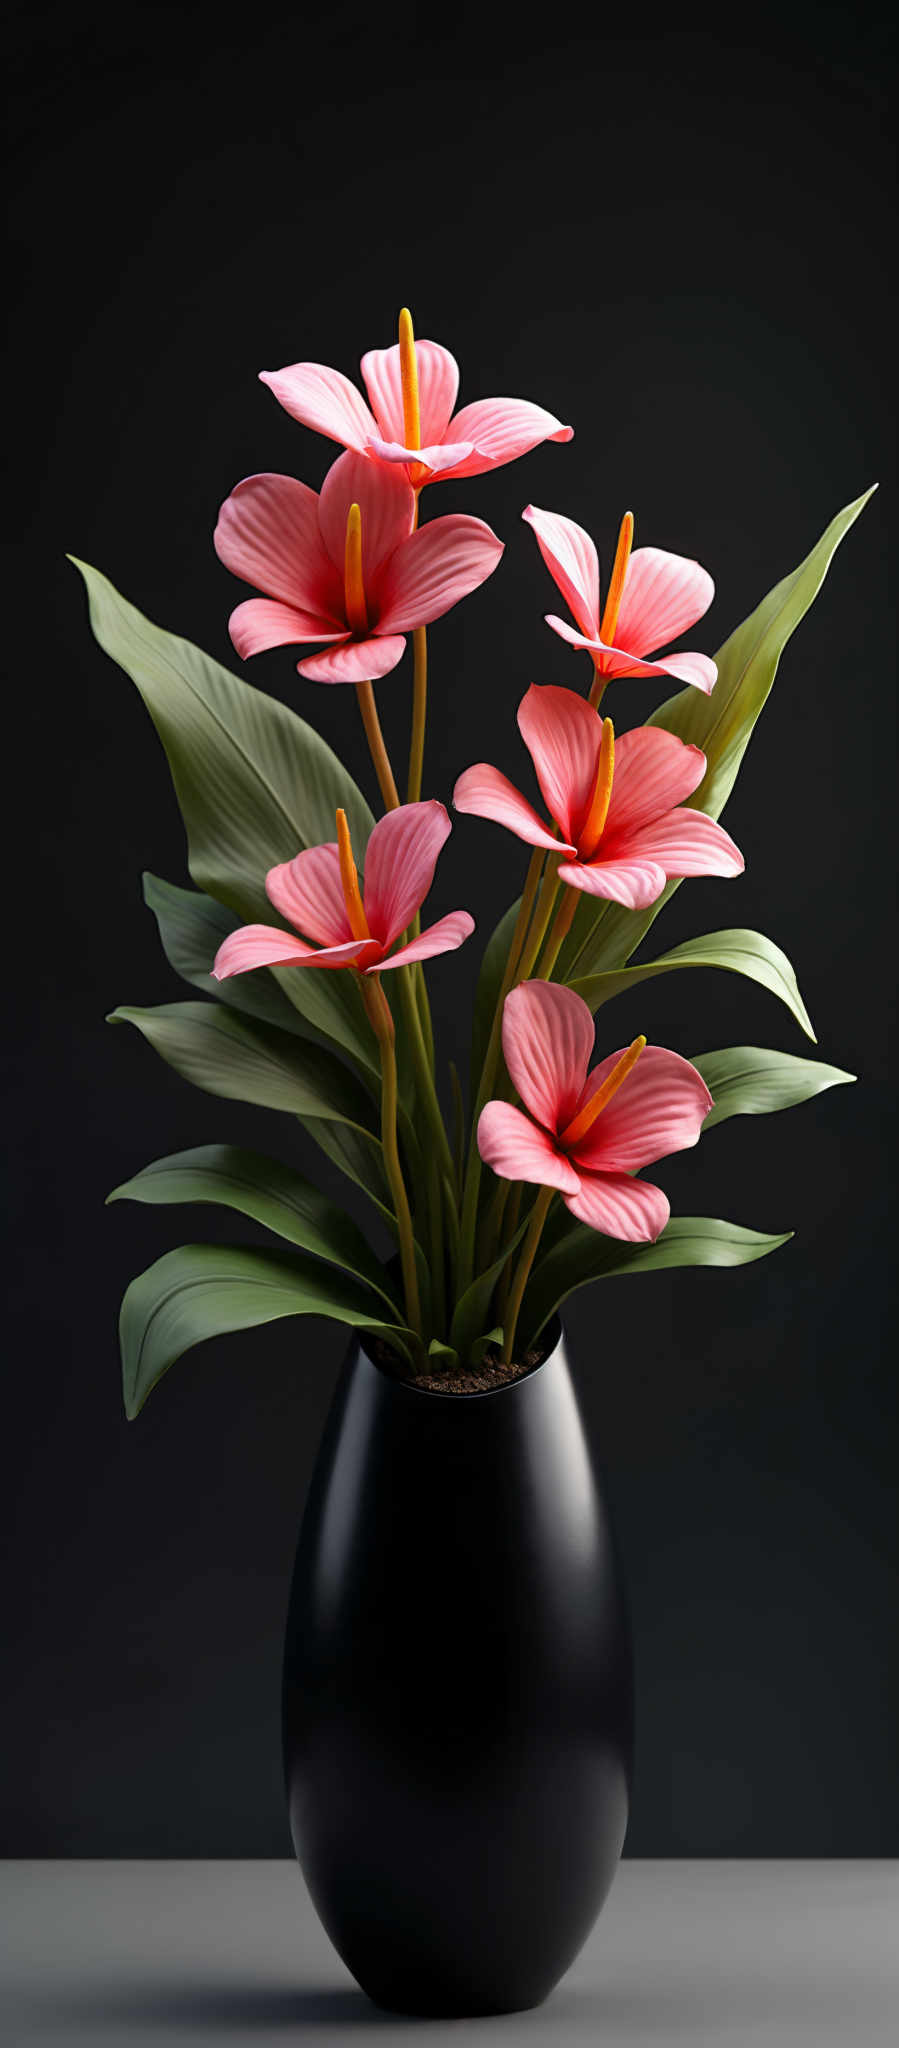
[(558, 935), (424, 1072), (419, 712), (382, 1024), (376, 747), (438, 1269), (505, 1278), (469, 1220), (522, 1270), (544, 908)]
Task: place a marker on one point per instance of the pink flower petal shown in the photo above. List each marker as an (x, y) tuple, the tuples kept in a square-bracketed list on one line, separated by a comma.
[(615, 662), (501, 429), (547, 1042), (262, 945), (654, 770), (483, 792), (518, 1150), (399, 866), (442, 937), (261, 623), (308, 892), (663, 595), (636, 883), (438, 458), (324, 400), (438, 383), (386, 501), (572, 561), (437, 566), (685, 842), (562, 735), (658, 1109), (633, 1210), (590, 642), (268, 533), (697, 669), (356, 661)]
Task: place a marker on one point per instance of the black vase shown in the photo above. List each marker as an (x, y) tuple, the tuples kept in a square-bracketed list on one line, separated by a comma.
[(457, 1689)]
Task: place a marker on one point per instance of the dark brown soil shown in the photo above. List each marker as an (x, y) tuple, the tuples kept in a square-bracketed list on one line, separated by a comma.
[(469, 1379)]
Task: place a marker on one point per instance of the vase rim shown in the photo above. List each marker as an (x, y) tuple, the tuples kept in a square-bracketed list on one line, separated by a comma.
[(555, 1327)]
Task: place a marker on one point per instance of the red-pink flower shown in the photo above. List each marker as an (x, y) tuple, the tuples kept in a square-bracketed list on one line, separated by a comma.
[(618, 805), (653, 597), (319, 894), (585, 1133), (345, 566), (442, 443)]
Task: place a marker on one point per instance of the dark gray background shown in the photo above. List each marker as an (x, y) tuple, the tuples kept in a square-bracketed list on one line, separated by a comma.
[(675, 238)]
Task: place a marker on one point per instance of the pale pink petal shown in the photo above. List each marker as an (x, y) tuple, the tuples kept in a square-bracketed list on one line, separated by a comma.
[(442, 937), (399, 865), (357, 661), (438, 383), (308, 892), (438, 458), (483, 792), (562, 735), (615, 662), (518, 1150), (268, 533), (437, 566), (654, 770), (261, 623), (501, 429), (572, 561), (323, 399), (635, 883), (386, 502), (685, 842), (633, 1210), (547, 1042), (663, 595), (262, 945), (659, 1109)]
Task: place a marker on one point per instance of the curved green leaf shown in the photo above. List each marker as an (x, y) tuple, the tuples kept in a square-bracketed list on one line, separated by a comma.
[(583, 1255), (192, 927), (202, 1291), (751, 1080), (742, 952), (273, 1194), (251, 1062), (721, 724), (255, 785), (470, 1313)]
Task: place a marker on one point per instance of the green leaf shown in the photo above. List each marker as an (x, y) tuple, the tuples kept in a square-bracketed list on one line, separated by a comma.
[(722, 726), (584, 1254), (358, 1154), (750, 1080), (742, 952), (493, 967), (202, 1291), (445, 1358), (251, 1062), (255, 785), (273, 1194), (192, 927), (492, 1339), (470, 1313)]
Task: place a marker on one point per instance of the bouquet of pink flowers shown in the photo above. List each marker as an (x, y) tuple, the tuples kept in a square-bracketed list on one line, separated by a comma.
[(305, 927)]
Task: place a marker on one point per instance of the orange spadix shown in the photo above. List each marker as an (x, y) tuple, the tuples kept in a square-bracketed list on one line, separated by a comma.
[(594, 823), (616, 586), (354, 588), (409, 379), (587, 1116), (349, 878)]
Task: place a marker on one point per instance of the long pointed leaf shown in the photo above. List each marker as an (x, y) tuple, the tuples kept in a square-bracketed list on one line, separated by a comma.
[(742, 952), (751, 1080), (251, 1062), (722, 726), (192, 926), (471, 1311), (583, 1255), (202, 1291), (273, 1194)]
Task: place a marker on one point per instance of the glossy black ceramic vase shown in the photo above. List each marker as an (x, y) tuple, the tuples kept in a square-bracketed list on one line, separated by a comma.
[(457, 1689)]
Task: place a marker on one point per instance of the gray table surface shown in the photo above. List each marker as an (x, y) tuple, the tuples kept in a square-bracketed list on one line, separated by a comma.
[(779, 1954)]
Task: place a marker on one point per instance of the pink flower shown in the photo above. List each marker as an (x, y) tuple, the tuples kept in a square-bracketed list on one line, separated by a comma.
[(319, 894), (653, 597), (618, 805), (409, 420), (588, 1133), (345, 566)]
